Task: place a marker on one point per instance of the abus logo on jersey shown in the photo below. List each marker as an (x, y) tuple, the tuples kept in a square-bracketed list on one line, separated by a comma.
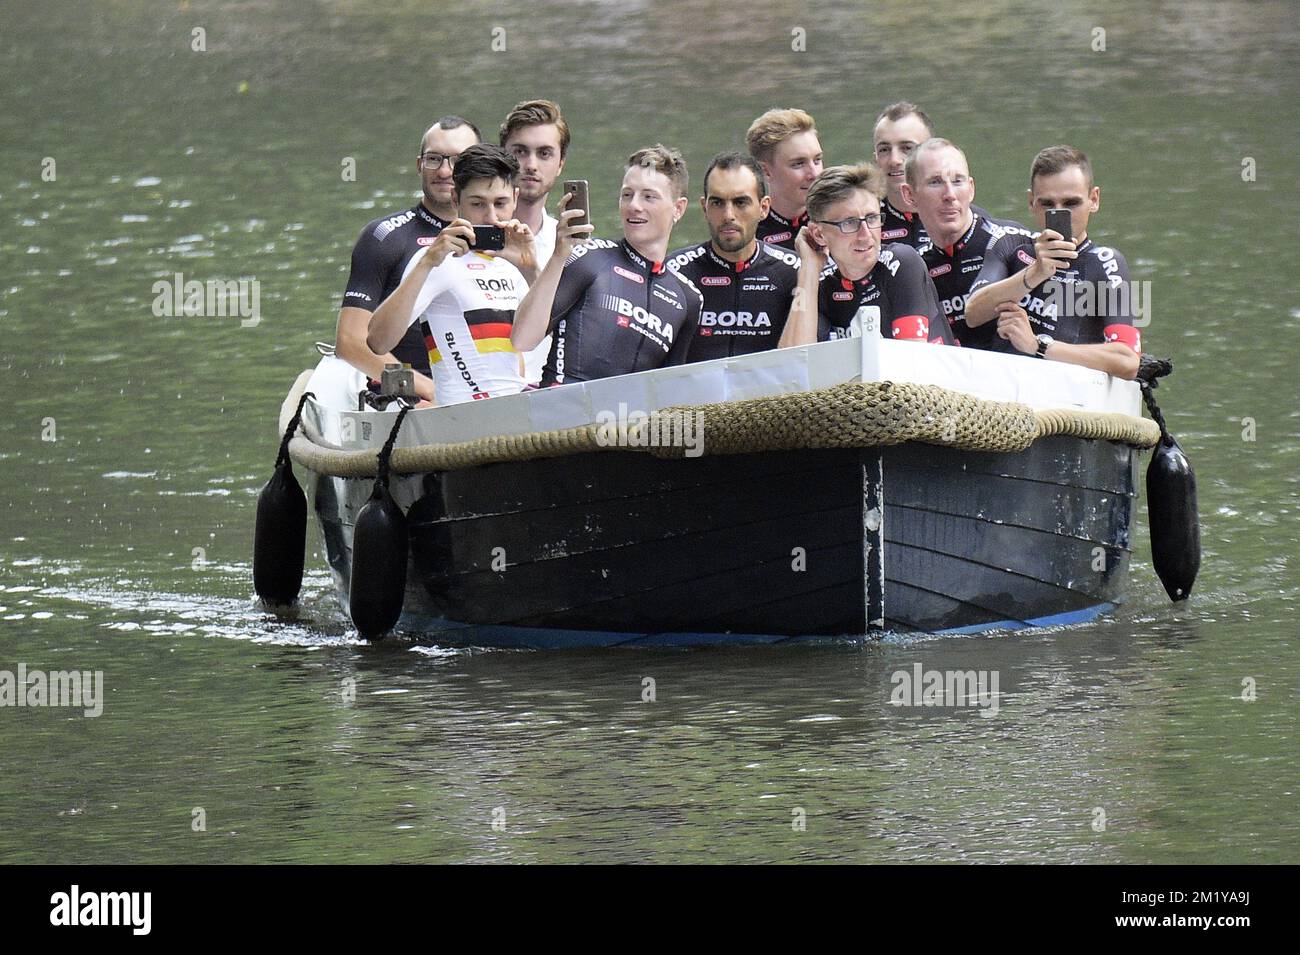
[(476, 265), (1024, 256), (715, 280), (842, 296), (778, 237), (735, 319), (940, 270), (894, 234), (629, 275), (426, 240)]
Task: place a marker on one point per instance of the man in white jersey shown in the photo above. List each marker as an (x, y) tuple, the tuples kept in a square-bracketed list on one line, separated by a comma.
[(466, 299), (536, 134)]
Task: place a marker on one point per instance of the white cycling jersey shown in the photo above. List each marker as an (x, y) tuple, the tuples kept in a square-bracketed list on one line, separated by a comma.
[(467, 308)]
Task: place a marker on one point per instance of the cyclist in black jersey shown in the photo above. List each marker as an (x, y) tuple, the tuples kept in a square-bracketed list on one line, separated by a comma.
[(844, 204), (747, 285), (899, 129), (1055, 298), (388, 243), (613, 307), (938, 184), (785, 143)]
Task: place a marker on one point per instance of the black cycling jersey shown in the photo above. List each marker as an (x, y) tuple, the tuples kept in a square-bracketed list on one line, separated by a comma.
[(899, 285), (745, 303), (1088, 303), (776, 229), (901, 226), (617, 312), (954, 268), (378, 260), (906, 226)]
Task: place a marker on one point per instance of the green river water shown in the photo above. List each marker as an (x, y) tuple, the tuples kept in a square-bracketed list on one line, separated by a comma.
[(125, 540)]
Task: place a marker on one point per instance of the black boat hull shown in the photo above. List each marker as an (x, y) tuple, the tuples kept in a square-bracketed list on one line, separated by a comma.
[(622, 547)]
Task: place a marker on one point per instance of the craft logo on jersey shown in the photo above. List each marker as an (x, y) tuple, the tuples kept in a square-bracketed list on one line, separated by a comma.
[(629, 275), (668, 296), (940, 270), (715, 280)]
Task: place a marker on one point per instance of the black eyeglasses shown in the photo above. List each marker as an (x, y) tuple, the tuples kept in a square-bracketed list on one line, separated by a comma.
[(437, 159), (852, 224)]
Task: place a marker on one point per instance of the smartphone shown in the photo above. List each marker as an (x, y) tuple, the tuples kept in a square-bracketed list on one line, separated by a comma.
[(1058, 220), (489, 238), (577, 188)]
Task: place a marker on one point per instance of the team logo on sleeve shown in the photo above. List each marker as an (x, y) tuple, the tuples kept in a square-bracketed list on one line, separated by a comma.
[(1127, 334)]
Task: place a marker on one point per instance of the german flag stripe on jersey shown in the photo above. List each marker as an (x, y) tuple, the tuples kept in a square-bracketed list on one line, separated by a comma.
[(490, 316), (489, 327)]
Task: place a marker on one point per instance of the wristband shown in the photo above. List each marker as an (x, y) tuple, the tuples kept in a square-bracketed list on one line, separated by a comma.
[(1024, 282)]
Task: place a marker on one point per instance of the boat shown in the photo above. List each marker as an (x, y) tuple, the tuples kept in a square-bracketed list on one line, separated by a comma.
[(837, 491)]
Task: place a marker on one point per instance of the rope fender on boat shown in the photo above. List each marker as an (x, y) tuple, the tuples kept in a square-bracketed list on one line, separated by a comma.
[(854, 414)]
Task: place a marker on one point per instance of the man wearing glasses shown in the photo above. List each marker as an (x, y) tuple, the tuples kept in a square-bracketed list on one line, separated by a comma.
[(845, 221), (938, 184), (388, 243)]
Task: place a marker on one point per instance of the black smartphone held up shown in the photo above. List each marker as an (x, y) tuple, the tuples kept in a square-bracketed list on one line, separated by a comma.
[(489, 238), (577, 188), (1058, 220)]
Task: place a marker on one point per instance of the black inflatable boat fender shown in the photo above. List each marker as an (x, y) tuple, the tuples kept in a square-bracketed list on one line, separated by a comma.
[(280, 531), (380, 544), (379, 550), (1173, 520)]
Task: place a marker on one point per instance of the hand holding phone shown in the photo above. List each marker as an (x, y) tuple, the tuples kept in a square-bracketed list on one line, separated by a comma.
[(1058, 220), (577, 190), (489, 238), (1052, 255)]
